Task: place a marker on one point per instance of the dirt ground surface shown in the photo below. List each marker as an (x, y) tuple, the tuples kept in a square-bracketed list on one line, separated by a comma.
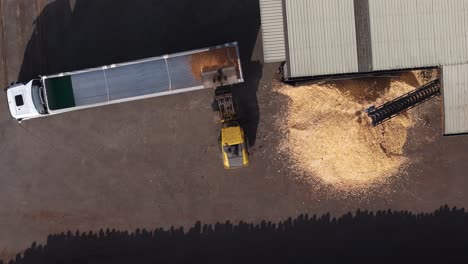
[(155, 162)]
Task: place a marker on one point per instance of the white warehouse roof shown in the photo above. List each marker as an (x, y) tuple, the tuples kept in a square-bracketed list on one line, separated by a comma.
[(414, 33), (455, 93), (321, 37), (272, 30), (327, 37)]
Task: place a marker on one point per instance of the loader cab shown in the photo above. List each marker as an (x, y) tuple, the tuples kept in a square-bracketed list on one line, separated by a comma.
[(234, 146), (26, 101)]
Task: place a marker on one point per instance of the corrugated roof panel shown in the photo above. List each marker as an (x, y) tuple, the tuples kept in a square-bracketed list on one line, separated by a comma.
[(455, 93), (273, 30), (425, 46), (418, 33), (321, 37)]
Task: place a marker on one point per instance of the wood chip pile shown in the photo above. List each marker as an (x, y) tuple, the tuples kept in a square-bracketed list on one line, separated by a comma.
[(328, 136)]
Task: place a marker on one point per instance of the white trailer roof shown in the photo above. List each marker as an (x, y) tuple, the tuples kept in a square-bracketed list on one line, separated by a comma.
[(122, 82), (155, 76), (455, 94)]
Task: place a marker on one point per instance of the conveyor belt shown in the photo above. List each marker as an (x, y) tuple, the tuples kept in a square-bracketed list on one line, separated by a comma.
[(403, 103)]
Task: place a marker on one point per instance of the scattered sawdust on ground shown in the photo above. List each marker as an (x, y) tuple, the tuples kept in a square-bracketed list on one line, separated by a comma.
[(211, 60), (329, 138)]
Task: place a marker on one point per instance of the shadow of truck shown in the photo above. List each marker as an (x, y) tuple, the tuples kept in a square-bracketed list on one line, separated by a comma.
[(91, 33)]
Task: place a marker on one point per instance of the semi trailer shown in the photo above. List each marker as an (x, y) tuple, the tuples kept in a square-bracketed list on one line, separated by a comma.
[(122, 82)]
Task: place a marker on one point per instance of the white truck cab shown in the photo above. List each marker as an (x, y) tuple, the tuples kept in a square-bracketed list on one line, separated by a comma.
[(26, 101)]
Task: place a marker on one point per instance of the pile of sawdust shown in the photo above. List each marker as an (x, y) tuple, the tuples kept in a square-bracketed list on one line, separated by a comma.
[(329, 138), (211, 60)]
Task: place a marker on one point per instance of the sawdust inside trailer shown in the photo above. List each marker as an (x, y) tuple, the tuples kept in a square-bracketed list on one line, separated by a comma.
[(213, 59)]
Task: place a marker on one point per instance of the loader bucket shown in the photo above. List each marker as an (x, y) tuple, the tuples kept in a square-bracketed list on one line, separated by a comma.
[(219, 77)]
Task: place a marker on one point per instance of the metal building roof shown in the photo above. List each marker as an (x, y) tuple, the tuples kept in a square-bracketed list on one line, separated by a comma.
[(273, 30), (418, 33), (455, 94), (321, 37), (330, 37)]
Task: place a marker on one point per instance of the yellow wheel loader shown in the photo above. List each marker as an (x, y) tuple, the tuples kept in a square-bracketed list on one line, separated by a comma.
[(233, 142)]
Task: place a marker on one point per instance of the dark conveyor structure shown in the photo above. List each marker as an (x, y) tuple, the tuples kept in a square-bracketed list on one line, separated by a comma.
[(403, 103)]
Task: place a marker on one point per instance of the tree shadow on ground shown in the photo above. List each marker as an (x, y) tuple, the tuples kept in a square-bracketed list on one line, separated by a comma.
[(382, 236), (72, 35)]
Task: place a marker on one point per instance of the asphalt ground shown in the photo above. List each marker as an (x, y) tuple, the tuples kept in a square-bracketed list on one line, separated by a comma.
[(155, 162)]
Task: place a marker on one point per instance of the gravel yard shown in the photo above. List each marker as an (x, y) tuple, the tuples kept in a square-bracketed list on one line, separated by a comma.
[(155, 163)]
